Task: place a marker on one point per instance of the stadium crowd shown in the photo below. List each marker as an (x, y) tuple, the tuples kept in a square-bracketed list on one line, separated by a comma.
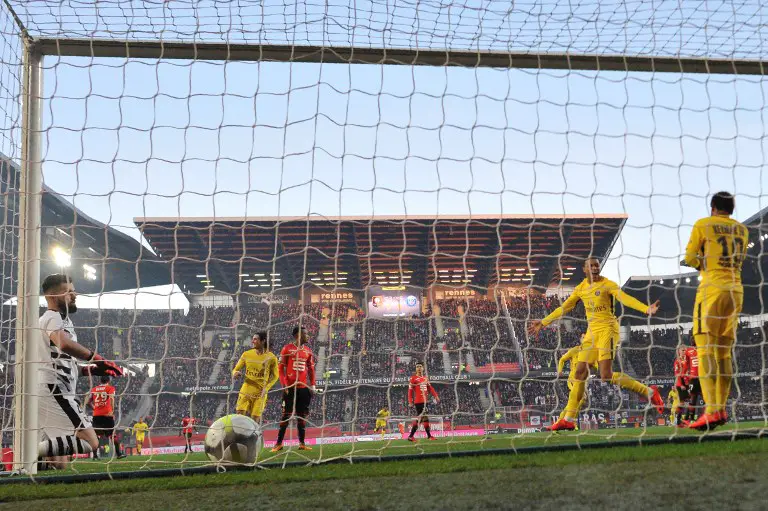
[(185, 350)]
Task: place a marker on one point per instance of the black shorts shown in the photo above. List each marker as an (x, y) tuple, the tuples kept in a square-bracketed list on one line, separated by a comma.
[(682, 393), (420, 407), (104, 425), (694, 386), (296, 401)]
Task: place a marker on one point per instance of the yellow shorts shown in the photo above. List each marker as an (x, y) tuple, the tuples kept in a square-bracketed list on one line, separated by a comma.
[(598, 345), (139, 439), (381, 424), (716, 312), (251, 401)]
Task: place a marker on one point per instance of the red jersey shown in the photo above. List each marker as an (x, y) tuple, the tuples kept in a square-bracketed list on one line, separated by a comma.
[(188, 425), (680, 373), (296, 366), (692, 362), (418, 387), (102, 399)]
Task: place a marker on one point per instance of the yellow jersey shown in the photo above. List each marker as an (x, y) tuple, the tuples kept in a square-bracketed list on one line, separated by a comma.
[(383, 414), (260, 368), (140, 428), (569, 356), (717, 248), (673, 397), (598, 298)]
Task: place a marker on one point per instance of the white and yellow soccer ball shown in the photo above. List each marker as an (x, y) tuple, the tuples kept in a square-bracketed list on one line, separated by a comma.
[(234, 439)]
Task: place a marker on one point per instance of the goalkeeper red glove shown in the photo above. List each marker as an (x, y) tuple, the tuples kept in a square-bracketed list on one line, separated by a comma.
[(99, 367)]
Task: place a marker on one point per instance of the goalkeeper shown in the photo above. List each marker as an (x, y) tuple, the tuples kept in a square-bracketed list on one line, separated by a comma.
[(260, 375), (600, 341), (64, 428)]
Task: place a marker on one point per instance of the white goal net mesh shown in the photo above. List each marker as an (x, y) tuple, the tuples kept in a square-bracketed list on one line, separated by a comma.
[(399, 213)]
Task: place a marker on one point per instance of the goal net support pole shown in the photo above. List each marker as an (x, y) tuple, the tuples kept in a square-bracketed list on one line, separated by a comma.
[(27, 307), (512, 333)]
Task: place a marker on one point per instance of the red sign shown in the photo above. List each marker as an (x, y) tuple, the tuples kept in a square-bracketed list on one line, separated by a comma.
[(507, 367)]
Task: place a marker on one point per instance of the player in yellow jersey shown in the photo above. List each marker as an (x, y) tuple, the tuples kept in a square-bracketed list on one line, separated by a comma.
[(140, 429), (673, 402), (381, 421), (260, 375), (717, 248), (572, 356), (600, 341)]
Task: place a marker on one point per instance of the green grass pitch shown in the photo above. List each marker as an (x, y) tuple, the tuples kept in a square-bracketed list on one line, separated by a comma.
[(617, 477)]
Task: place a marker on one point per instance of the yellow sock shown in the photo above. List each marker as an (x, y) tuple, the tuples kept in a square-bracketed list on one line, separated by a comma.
[(574, 399), (627, 382), (723, 382), (707, 370), (581, 407)]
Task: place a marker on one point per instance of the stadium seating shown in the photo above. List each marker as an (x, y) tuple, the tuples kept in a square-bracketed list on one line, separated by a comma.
[(185, 350)]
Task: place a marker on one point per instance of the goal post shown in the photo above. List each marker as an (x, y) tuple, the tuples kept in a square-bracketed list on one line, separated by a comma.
[(27, 306), (392, 56)]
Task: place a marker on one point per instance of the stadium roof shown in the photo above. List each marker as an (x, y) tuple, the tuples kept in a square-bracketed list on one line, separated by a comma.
[(677, 292), (253, 254), (112, 254)]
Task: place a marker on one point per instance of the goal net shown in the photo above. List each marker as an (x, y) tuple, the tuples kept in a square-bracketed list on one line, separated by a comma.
[(410, 182)]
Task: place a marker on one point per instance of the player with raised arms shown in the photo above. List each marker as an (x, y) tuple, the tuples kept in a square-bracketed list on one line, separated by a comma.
[(600, 341), (64, 428), (260, 375), (717, 248)]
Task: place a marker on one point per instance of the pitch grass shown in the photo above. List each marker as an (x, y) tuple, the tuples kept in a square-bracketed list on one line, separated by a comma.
[(620, 477), (384, 449), (723, 475)]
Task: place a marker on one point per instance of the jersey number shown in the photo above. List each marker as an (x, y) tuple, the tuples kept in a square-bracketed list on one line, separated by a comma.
[(299, 365), (734, 250)]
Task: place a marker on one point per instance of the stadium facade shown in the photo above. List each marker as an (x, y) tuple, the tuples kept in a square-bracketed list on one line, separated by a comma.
[(339, 258), (100, 257)]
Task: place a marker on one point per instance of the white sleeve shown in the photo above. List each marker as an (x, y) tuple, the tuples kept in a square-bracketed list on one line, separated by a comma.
[(52, 323)]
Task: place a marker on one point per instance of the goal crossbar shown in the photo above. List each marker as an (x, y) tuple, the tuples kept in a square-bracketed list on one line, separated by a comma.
[(391, 56)]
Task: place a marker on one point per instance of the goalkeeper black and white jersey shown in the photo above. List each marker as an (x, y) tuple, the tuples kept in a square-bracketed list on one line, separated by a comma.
[(57, 368)]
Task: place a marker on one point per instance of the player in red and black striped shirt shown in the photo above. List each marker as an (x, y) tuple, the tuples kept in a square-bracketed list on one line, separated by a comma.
[(692, 379), (681, 385), (418, 387), (297, 375), (102, 400), (188, 429)]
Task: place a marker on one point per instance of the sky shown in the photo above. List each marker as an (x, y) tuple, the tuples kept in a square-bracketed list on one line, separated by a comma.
[(126, 139)]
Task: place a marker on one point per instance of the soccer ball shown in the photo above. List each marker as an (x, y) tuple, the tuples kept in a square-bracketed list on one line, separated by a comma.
[(234, 439)]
